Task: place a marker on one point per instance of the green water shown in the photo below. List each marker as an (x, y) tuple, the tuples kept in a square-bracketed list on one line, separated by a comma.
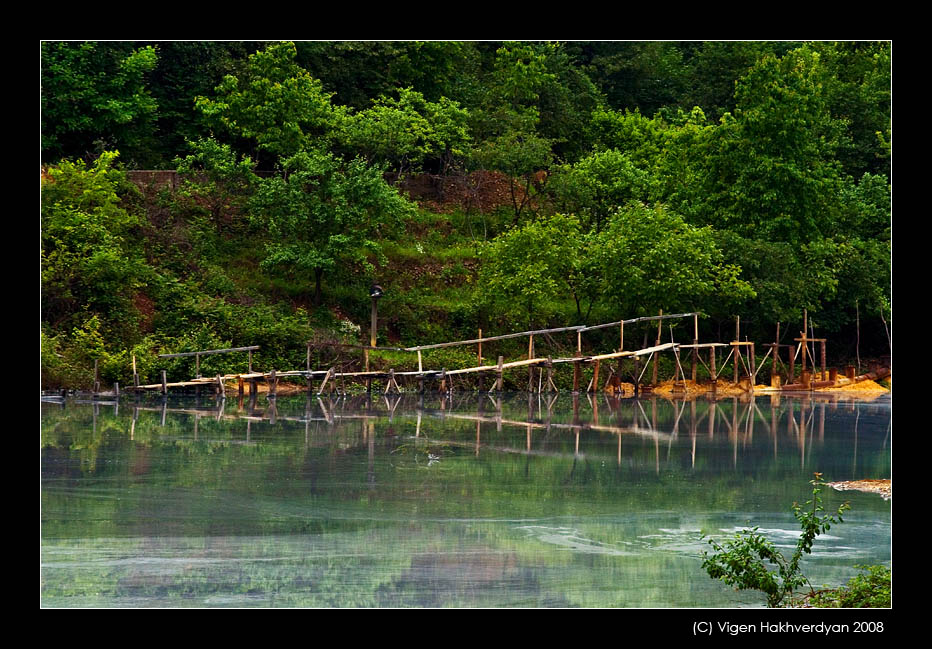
[(462, 502)]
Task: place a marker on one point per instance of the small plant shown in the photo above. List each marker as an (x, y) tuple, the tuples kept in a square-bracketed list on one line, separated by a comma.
[(740, 562), (870, 589)]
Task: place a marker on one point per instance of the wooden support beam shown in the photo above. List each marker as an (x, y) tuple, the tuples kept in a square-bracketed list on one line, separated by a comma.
[(211, 351), (656, 368), (577, 372)]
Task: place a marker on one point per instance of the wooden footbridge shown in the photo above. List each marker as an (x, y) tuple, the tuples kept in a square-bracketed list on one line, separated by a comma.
[(540, 369)]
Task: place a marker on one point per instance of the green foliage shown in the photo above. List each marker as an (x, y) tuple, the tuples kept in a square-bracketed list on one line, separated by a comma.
[(596, 185), (91, 260), (406, 132), (770, 170), (216, 181), (650, 258), (96, 95), (518, 154), (739, 562), (869, 589), (624, 197), (274, 102), (322, 213), (525, 269)]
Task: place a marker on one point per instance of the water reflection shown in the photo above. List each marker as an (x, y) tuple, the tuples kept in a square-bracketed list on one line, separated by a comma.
[(429, 500)]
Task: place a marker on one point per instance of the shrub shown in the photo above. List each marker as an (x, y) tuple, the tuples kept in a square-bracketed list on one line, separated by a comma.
[(739, 562)]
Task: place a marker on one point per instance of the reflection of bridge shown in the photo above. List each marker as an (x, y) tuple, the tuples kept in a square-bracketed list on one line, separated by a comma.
[(801, 420)]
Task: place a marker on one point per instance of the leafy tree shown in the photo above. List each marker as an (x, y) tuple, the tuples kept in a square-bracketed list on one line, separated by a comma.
[(91, 259), (322, 213), (95, 96), (652, 259), (274, 102), (717, 66), (408, 131), (519, 155), (597, 185), (635, 75), (770, 170), (527, 270), (216, 180), (185, 70), (857, 91)]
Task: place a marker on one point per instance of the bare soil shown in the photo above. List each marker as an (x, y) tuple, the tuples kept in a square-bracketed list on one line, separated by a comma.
[(882, 487)]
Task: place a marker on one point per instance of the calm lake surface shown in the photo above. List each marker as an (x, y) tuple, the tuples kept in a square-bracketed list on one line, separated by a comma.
[(467, 501)]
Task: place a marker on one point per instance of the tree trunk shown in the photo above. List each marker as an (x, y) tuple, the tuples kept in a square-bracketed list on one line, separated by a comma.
[(318, 274)]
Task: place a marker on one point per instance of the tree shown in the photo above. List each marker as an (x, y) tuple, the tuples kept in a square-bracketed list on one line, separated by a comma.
[(597, 185), (409, 131), (652, 259), (216, 180), (519, 155), (274, 102), (769, 170), (322, 213), (91, 262), (95, 96), (527, 270), (185, 70)]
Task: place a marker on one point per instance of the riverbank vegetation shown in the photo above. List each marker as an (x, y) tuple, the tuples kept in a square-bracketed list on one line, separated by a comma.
[(500, 186)]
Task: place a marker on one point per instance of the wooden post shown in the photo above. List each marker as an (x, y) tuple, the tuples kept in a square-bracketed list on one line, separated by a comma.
[(221, 387), (776, 355), (239, 386), (310, 379), (250, 362), (753, 368), (500, 382), (96, 378), (549, 375), (804, 342), (116, 389), (637, 375), (737, 347), (695, 349), (197, 366), (164, 383), (577, 372), (443, 380), (823, 360), (530, 368), (712, 367), (365, 361), (273, 385), (595, 377), (657, 356), (479, 362), (135, 375)]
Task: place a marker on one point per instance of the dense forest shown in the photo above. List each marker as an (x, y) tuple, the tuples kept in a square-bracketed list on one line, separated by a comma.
[(493, 185)]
